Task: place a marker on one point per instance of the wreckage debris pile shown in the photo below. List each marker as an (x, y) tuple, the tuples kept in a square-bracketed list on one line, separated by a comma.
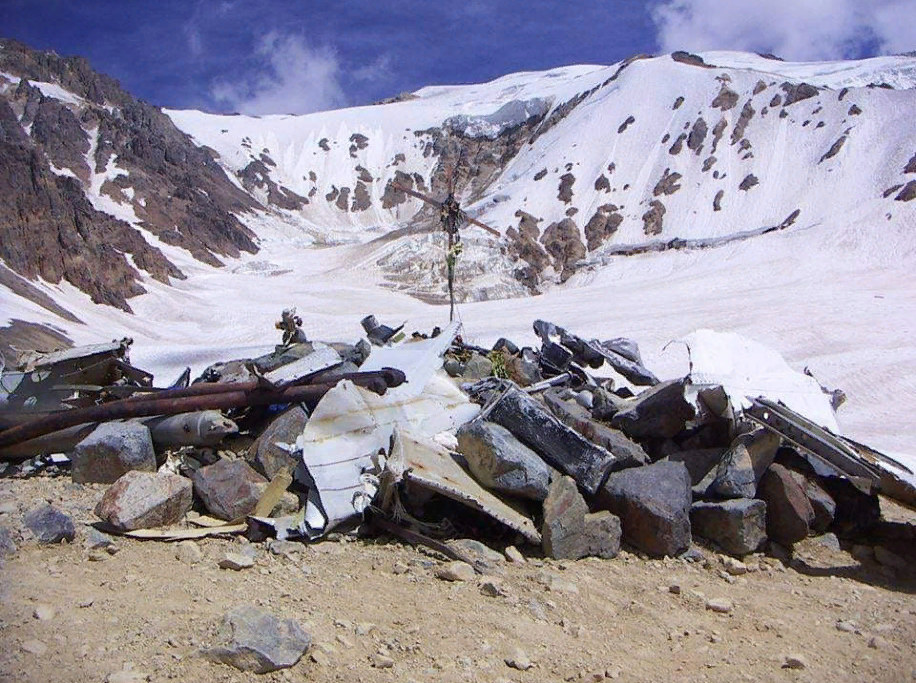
[(428, 436)]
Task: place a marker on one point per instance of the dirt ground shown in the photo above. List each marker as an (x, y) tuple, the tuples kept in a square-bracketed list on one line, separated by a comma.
[(68, 613)]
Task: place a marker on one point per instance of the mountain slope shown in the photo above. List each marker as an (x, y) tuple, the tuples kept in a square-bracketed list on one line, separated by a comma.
[(577, 164)]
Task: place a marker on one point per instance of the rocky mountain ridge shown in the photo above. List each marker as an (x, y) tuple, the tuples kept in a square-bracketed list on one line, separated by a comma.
[(576, 167)]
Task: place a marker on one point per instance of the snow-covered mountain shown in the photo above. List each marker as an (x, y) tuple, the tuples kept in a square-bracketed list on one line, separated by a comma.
[(647, 198)]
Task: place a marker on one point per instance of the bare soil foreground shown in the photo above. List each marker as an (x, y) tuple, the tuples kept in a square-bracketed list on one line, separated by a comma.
[(376, 611)]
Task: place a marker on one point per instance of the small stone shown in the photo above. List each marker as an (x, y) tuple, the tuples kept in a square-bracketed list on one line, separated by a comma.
[(236, 561), (674, 589), (845, 626), (97, 555), (320, 658), (455, 571), (35, 647), (7, 544), (188, 552), (380, 661), (829, 541), (364, 628), (96, 539), (49, 524), (514, 555), (400, 568), (493, 588), (519, 660), (286, 549), (733, 566), (719, 605), (44, 612), (877, 643), (795, 662)]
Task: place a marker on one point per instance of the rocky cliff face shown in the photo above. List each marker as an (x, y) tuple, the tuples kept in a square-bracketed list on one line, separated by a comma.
[(83, 165)]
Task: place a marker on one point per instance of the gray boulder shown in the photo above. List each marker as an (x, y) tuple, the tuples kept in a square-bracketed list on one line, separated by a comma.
[(738, 526), (660, 412), (653, 503), (501, 462), (789, 514), (266, 455), (229, 489), (570, 531), (259, 642), (143, 500), (743, 465), (49, 524), (110, 450), (477, 367), (821, 502), (699, 461)]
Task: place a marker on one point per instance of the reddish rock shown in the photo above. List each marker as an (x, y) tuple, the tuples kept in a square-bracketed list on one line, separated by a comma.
[(789, 514), (143, 500)]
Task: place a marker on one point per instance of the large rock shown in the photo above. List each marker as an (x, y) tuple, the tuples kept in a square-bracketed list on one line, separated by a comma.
[(698, 461), (110, 450), (257, 641), (738, 526), (821, 502), (789, 514), (143, 500), (743, 465), (266, 454), (560, 446), (49, 524), (501, 462), (653, 503), (660, 412), (570, 531), (229, 489), (627, 452)]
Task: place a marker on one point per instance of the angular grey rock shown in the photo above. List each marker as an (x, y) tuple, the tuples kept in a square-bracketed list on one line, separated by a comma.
[(699, 462), (228, 488), (744, 464), (96, 539), (49, 524), (789, 514), (660, 412), (738, 526), (501, 462), (653, 503), (110, 450), (477, 367), (188, 552), (627, 452), (266, 455), (485, 559), (259, 642), (556, 443), (570, 531), (236, 561), (822, 503), (7, 544), (455, 571), (143, 500)]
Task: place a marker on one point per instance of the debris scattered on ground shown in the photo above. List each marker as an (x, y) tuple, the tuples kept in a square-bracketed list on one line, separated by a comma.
[(570, 450)]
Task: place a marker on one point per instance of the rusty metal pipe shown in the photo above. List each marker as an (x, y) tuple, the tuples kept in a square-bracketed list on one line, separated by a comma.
[(125, 408)]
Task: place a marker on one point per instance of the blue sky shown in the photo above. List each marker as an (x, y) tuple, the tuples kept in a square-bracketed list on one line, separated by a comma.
[(287, 56)]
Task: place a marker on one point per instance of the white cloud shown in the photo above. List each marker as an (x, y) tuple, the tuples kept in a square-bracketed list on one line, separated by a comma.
[(793, 29), (296, 79)]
